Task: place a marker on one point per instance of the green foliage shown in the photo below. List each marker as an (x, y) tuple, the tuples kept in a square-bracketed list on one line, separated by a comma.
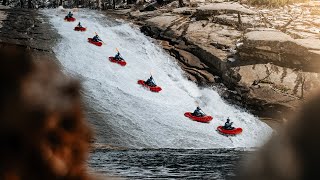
[(274, 3)]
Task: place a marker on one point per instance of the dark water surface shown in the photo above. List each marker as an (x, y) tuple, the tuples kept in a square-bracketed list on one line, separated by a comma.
[(168, 163)]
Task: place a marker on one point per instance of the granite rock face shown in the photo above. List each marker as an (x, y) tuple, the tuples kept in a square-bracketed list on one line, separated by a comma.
[(27, 29), (230, 7), (280, 49)]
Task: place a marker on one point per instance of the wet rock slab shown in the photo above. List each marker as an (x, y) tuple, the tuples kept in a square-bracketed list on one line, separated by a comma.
[(28, 29)]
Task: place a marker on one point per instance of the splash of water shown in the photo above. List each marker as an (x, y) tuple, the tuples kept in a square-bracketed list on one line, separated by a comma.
[(129, 115)]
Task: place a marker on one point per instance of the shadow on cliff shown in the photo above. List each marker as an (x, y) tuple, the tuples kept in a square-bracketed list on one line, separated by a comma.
[(43, 132), (292, 154)]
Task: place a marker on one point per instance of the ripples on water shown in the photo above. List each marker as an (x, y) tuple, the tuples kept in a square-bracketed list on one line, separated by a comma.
[(167, 163)]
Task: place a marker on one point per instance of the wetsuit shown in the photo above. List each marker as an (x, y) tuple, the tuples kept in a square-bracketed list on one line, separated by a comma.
[(96, 38), (118, 57), (150, 82), (69, 15), (228, 125), (198, 112)]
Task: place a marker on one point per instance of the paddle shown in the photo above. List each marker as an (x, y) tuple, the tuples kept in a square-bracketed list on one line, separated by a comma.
[(86, 28)]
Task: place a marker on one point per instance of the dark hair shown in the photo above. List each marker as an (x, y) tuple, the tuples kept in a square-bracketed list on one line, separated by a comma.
[(43, 131)]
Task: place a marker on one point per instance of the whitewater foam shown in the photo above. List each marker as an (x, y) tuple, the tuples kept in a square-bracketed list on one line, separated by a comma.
[(126, 114)]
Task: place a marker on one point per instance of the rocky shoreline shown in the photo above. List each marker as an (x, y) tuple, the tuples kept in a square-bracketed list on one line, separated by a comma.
[(27, 29), (264, 64)]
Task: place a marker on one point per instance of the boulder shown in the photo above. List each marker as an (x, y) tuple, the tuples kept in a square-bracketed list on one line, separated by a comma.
[(280, 49), (173, 4), (230, 7), (190, 60), (232, 20), (311, 44), (184, 11), (285, 80), (211, 35), (163, 21), (143, 15)]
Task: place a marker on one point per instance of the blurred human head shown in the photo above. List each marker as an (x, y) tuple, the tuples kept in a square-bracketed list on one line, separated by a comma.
[(43, 132)]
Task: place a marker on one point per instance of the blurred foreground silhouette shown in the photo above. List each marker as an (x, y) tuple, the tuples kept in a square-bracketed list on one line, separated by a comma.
[(43, 133), (294, 153)]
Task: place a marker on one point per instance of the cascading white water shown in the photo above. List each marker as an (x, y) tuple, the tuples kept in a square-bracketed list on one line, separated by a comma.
[(128, 114)]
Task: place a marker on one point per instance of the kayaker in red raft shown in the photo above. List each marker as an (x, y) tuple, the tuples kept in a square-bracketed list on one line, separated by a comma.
[(228, 125), (96, 38), (118, 57), (150, 82), (198, 112), (79, 25), (69, 15)]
